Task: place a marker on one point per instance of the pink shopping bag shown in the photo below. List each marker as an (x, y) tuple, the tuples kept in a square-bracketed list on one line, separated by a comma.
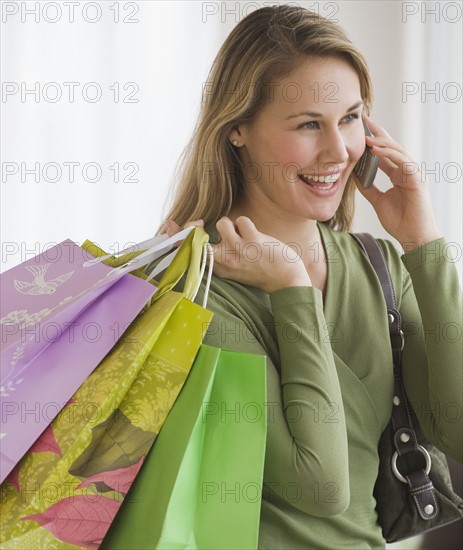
[(59, 316)]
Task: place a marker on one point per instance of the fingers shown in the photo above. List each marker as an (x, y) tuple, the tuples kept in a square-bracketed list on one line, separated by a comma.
[(196, 223), (397, 157), (231, 233), (246, 227), (225, 221), (384, 141), (223, 251), (387, 166), (171, 227), (381, 138), (394, 162), (376, 129), (243, 228), (394, 159), (233, 236), (227, 230)]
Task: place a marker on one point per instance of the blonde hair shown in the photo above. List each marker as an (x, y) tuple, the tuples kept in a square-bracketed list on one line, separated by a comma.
[(266, 45)]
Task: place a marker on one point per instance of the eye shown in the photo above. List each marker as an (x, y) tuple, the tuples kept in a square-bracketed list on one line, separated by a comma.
[(351, 117), (308, 125)]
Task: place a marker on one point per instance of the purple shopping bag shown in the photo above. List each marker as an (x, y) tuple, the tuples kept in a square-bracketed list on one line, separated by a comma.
[(59, 317)]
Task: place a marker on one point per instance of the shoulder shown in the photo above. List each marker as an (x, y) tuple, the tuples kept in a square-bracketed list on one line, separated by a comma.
[(231, 301), (242, 318), (344, 244)]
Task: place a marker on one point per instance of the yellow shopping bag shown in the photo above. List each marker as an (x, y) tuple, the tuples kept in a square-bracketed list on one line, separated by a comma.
[(68, 488)]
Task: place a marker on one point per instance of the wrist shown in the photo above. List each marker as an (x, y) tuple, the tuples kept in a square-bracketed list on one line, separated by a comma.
[(413, 243), (300, 279)]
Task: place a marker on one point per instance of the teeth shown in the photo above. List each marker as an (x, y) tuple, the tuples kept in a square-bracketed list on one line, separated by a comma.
[(326, 186), (323, 179)]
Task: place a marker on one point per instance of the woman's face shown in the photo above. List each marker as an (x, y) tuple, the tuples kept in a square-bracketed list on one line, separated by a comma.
[(310, 129)]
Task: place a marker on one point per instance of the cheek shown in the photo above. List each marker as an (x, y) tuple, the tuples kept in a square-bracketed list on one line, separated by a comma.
[(300, 152), (285, 153), (265, 145)]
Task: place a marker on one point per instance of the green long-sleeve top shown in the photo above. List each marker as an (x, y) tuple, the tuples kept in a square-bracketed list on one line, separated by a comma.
[(330, 382)]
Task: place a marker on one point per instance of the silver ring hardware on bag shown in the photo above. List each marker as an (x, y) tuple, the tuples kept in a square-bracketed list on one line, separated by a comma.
[(398, 475), (400, 335)]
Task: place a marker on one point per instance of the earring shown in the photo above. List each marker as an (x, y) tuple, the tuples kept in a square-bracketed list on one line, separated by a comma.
[(234, 142)]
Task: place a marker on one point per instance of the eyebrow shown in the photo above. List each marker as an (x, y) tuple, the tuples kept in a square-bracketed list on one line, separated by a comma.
[(318, 115)]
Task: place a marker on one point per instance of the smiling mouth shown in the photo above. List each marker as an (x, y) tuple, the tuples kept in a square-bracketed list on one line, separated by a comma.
[(320, 182)]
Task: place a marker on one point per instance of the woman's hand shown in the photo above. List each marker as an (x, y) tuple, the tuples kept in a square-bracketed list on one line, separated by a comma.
[(253, 258), (405, 210), (247, 256)]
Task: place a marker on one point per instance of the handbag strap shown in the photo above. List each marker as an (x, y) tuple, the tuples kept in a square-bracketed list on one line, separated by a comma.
[(404, 437)]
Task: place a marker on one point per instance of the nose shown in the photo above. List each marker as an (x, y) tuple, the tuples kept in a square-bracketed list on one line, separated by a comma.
[(333, 148)]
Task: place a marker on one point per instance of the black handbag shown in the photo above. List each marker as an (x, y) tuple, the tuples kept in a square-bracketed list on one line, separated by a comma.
[(413, 490)]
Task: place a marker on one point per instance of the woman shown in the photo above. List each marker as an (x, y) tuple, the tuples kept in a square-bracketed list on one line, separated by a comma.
[(269, 173)]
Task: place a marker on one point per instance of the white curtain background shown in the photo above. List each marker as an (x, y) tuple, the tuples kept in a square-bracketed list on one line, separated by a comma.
[(149, 59)]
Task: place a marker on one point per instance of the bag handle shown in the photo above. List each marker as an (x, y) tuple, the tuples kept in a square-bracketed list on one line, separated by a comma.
[(148, 250), (186, 259), (405, 439)]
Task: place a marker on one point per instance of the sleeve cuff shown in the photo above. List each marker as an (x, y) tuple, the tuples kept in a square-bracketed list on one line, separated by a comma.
[(296, 295), (432, 252)]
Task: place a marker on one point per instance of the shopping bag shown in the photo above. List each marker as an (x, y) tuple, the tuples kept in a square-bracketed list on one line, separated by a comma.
[(200, 486), (67, 490), (52, 289), (51, 306), (40, 297)]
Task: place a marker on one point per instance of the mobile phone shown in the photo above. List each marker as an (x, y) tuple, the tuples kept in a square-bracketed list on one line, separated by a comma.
[(367, 166)]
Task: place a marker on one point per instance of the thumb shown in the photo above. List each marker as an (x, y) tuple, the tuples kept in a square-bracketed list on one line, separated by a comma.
[(171, 228), (195, 223)]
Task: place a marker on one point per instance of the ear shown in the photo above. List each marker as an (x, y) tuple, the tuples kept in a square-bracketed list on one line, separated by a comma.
[(237, 134)]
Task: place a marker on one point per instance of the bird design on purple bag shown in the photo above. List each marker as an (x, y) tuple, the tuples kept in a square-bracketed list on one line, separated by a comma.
[(39, 285)]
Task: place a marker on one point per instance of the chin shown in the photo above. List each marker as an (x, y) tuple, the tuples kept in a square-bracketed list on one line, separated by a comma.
[(325, 215), (325, 218)]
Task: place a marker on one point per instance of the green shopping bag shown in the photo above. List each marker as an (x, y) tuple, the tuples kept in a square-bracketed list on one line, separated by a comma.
[(200, 485), (67, 489)]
